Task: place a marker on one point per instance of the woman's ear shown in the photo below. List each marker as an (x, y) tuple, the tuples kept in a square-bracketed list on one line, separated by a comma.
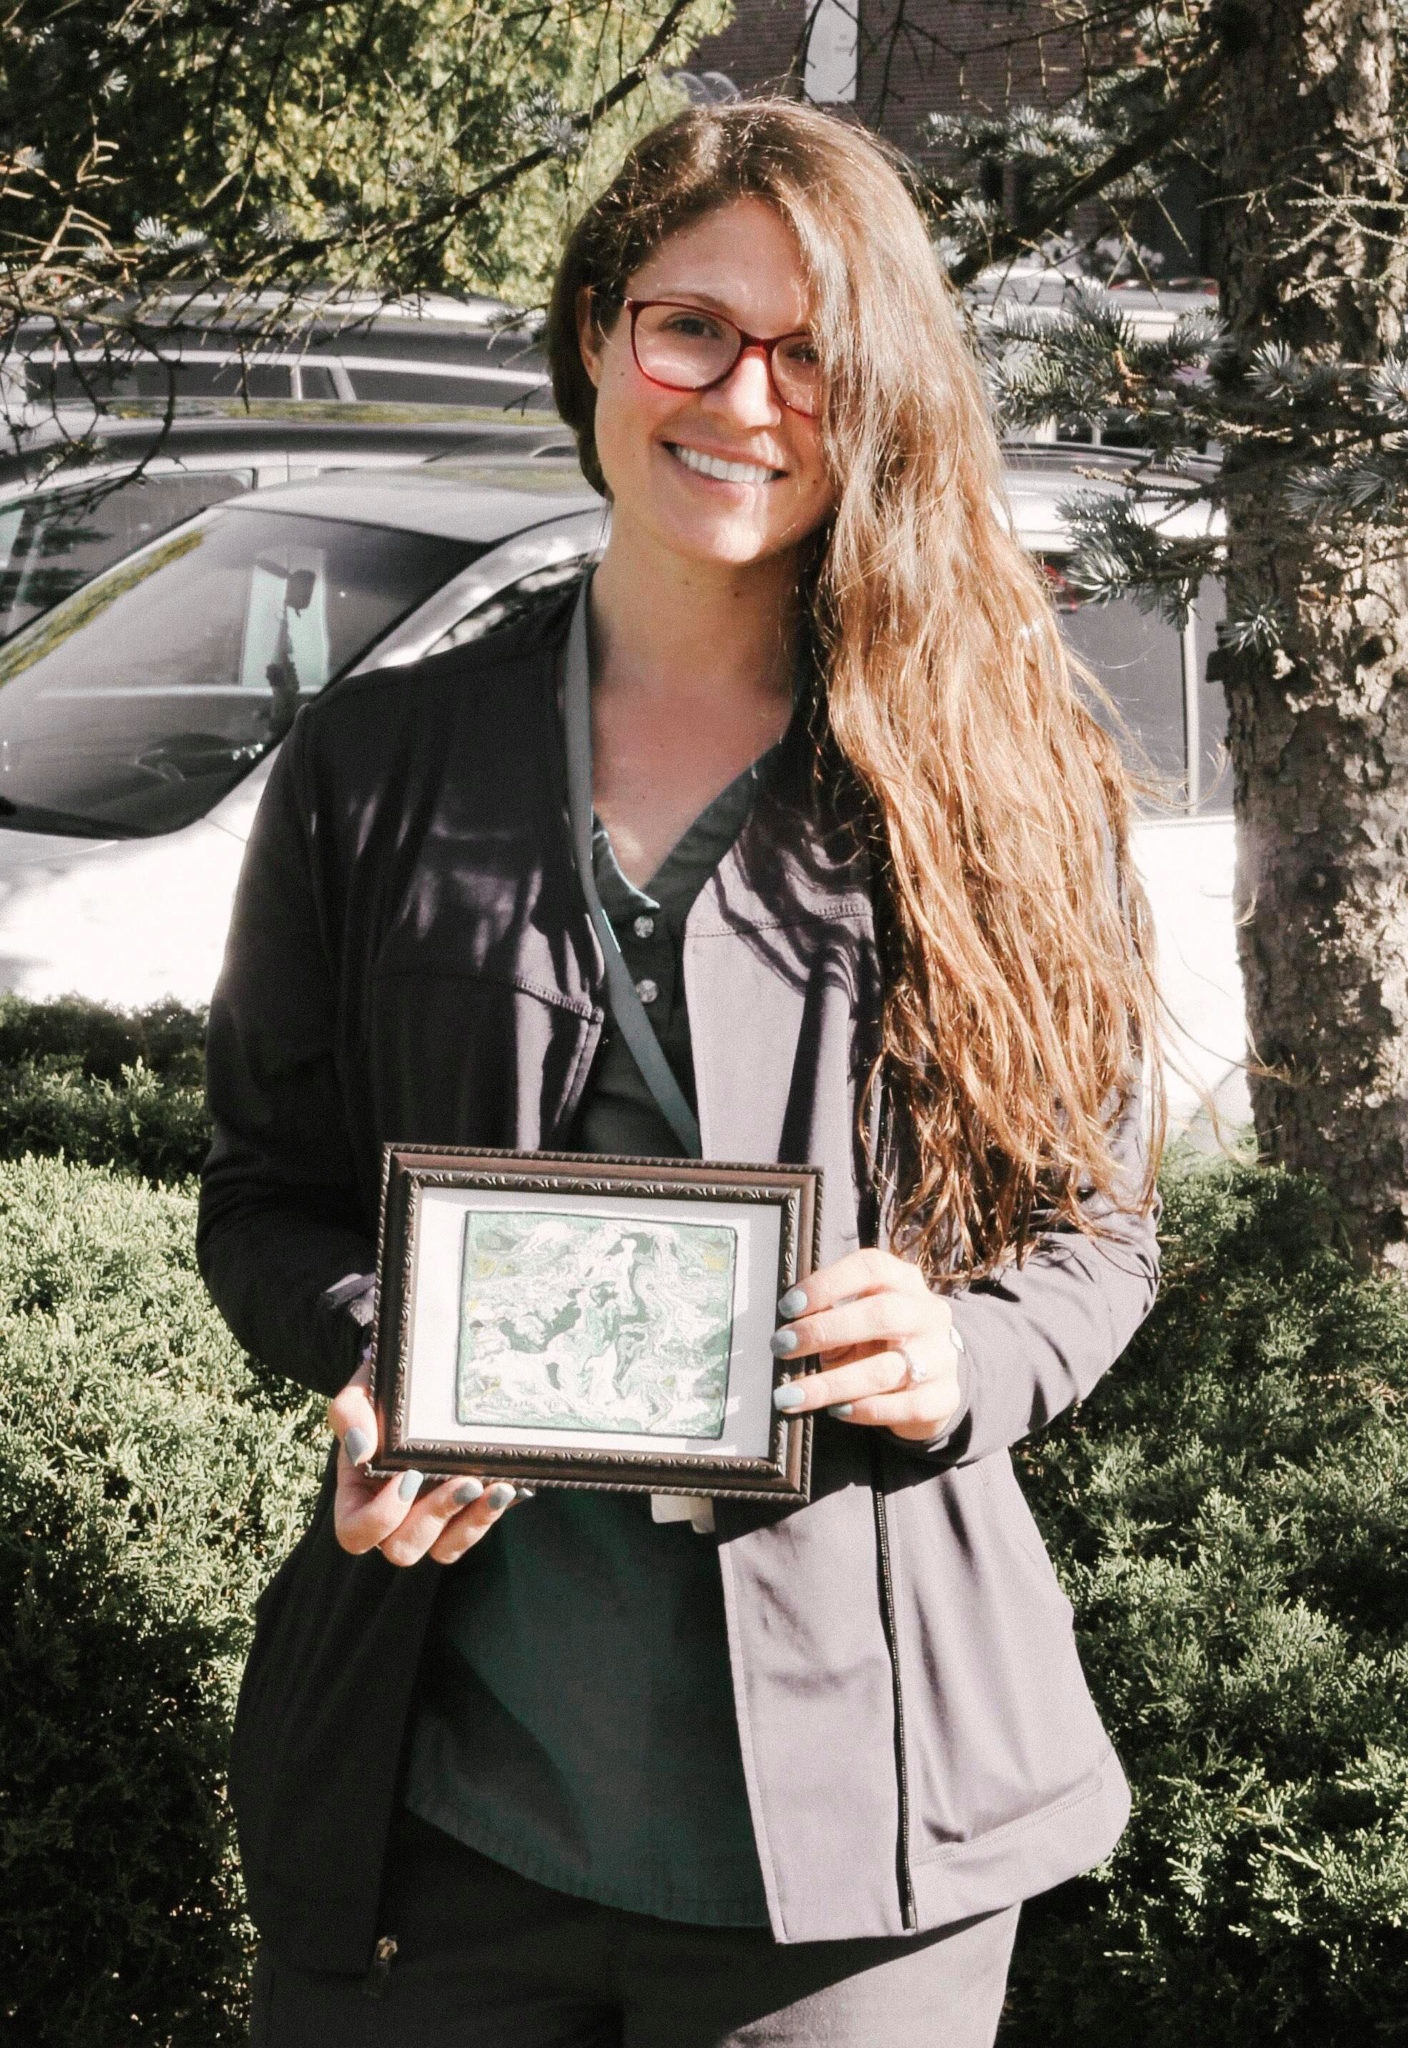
[(588, 335)]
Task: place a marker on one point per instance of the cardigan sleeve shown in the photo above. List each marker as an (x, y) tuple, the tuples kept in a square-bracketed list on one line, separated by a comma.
[(283, 1241), (1039, 1335)]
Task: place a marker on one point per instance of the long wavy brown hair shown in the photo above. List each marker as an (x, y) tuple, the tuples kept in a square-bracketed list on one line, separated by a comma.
[(1020, 1009)]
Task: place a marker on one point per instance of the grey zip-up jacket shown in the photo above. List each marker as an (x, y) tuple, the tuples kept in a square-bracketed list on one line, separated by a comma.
[(411, 959)]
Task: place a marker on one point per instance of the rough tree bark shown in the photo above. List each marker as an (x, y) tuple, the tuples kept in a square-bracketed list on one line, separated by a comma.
[(1319, 727)]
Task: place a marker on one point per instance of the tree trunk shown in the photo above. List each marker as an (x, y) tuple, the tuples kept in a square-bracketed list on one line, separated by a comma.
[(1319, 726)]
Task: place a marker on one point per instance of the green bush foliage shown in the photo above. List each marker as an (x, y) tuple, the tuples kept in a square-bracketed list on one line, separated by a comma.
[(149, 1483), (99, 1042), (124, 1088), (1229, 1514)]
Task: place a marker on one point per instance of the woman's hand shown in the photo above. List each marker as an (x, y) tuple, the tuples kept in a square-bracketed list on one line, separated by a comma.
[(393, 1515), (887, 1346)]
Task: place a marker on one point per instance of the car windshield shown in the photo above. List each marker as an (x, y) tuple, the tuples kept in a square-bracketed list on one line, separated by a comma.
[(133, 706), (52, 542)]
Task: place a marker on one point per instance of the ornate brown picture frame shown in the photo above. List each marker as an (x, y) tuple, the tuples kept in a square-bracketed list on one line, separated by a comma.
[(569, 1320)]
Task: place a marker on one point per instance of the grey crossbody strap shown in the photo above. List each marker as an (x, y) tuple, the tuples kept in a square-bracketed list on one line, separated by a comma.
[(626, 1006)]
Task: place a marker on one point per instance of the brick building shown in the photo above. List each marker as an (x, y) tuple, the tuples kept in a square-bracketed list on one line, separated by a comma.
[(894, 62)]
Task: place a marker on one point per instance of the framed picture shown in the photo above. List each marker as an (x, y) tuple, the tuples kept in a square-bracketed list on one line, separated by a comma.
[(563, 1320)]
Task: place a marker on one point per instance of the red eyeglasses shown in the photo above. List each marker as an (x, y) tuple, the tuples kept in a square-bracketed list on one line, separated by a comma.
[(688, 348)]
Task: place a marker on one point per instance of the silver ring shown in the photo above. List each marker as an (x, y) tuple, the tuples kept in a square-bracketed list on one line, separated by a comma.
[(913, 1373)]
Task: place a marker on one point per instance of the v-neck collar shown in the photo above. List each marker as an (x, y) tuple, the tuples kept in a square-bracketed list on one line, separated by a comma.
[(692, 858)]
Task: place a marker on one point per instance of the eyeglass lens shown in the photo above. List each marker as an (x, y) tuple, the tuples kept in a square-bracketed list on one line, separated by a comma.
[(688, 348)]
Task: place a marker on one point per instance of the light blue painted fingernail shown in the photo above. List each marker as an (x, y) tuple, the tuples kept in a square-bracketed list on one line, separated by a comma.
[(783, 1343), (467, 1492), (410, 1485), (792, 1302), (500, 1494), (842, 1410), (358, 1444), (788, 1397)]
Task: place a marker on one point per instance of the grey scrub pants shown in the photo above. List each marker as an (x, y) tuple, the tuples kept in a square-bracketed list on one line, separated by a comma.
[(486, 1959)]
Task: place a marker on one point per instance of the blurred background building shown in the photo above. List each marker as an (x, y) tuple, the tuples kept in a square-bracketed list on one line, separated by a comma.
[(893, 63)]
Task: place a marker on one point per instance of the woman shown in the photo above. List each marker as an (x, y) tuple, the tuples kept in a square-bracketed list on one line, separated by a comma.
[(605, 1779)]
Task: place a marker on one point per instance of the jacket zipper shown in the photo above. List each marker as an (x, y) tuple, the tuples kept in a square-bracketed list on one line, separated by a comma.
[(908, 1910), (379, 1974)]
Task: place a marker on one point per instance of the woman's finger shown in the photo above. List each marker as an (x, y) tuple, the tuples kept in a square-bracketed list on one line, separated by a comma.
[(859, 1273), (432, 1512), (364, 1509), (367, 1511), (875, 1372), (878, 1387), (477, 1518), (877, 1320), (916, 1413), (403, 1517), (352, 1409), (406, 1519)]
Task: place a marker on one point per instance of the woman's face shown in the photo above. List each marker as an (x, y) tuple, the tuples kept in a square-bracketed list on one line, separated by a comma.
[(741, 261)]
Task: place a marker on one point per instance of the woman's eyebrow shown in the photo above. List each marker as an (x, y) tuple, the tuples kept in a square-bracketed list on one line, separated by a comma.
[(687, 296)]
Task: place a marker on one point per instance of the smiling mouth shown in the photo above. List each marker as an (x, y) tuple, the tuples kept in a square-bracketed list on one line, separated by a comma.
[(724, 472)]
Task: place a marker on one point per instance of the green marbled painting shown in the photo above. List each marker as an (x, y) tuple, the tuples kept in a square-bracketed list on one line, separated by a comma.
[(591, 1323)]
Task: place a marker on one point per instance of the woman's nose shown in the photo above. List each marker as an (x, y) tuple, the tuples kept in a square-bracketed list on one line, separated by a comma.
[(747, 391)]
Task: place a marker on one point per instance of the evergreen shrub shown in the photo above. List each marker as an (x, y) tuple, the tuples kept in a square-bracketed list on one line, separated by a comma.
[(167, 1037), (108, 1086), (149, 1484), (1229, 1514)]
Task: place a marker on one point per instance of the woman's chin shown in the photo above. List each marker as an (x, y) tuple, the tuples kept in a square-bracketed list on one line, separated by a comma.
[(722, 544)]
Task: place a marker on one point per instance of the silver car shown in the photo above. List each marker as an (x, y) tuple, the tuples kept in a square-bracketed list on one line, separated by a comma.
[(143, 478), (139, 717)]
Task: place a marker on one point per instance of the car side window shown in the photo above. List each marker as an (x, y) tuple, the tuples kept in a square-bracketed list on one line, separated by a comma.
[(53, 542), (415, 386), (524, 599), (1214, 783), (198, 376), (1138, 658)]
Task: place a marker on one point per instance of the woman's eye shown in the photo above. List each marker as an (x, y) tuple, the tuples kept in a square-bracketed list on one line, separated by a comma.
[(802, 351), (696, 325)]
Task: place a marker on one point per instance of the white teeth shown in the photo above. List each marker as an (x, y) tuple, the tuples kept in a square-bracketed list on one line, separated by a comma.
[(727, 472)]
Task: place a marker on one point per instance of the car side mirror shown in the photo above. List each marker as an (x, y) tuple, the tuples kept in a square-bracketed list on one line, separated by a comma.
[(299, 590)]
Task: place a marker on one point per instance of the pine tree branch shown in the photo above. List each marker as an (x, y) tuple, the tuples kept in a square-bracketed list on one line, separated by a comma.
[(1145, 143)]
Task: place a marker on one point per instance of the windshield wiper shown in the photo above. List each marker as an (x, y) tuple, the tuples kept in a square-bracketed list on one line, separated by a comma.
[(64, 824)]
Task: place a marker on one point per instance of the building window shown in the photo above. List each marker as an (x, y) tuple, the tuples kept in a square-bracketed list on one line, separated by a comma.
[(706, 88), (832, 37)]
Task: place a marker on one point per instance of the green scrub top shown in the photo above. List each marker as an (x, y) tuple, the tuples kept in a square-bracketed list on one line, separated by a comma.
[(576, 1717)]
